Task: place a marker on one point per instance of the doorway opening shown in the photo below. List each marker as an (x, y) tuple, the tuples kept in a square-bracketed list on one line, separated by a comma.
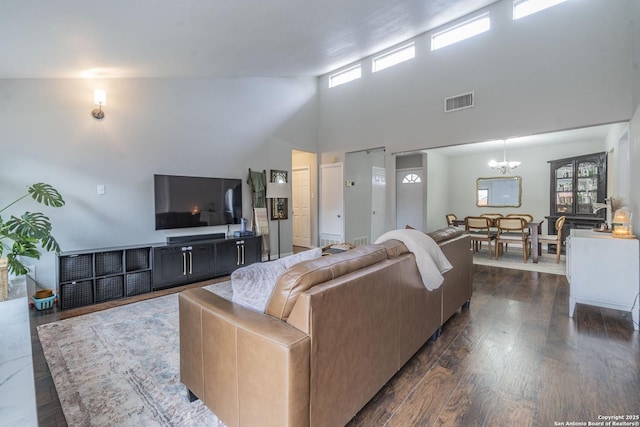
[(365, 195)]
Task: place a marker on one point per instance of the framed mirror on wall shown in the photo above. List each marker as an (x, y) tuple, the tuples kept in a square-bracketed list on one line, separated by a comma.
[(279, 206), (499, 192)]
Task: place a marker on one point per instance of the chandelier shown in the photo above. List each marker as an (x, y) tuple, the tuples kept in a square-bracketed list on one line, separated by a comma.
[(504, 166)]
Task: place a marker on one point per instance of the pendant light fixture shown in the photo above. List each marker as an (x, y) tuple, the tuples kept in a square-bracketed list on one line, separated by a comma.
[(504, 166)]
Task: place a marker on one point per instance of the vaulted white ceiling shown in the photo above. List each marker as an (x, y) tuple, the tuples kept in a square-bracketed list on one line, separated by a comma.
[(207, 38)]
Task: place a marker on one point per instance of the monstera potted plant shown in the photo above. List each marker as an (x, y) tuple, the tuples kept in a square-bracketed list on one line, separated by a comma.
[(23, 236)]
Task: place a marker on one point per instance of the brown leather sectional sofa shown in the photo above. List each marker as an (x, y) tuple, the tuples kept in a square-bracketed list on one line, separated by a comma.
[(335, 330)]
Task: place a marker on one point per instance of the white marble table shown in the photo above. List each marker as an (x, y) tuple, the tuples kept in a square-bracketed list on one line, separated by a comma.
[(17, 388)]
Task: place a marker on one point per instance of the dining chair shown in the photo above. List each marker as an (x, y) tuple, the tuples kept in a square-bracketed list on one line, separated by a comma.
[(527, 217), (450, 218), (512, 230), (479, 228), (492, 216), (554, 238)]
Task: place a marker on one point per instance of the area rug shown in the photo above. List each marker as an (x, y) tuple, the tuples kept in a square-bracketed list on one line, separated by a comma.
[(120, 367), (513, 259)]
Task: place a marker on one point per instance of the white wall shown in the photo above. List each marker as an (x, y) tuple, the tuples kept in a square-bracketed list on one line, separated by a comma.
[(562, 68), (439, 193), (634, 126), (634, 172), (207, 127), (635, 58)]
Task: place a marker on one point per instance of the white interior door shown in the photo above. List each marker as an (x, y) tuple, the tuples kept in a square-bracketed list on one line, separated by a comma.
[(331, 202), (409, 198), (378, 201), (301, 201)]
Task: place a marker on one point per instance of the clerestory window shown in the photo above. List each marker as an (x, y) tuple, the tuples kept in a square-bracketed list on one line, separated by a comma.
[(345, 76), (396, 56), (522, 8), (465, 30)]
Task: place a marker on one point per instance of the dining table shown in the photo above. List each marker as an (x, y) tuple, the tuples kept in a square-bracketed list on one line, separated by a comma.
[(535, 229)]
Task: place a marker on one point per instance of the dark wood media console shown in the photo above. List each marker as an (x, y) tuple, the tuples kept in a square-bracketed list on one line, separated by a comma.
[(98, 275), (185, 263)]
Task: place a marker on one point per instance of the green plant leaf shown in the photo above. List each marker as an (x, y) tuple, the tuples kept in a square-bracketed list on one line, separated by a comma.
[(15, 266), (46, 194), (22, 236), (30, 224), (50, 244), (25, 247)]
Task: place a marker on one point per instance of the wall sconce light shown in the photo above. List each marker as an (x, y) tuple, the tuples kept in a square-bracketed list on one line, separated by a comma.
[(100, 98)]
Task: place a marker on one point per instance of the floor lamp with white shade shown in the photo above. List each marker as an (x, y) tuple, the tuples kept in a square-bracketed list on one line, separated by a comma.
[(278, 190)]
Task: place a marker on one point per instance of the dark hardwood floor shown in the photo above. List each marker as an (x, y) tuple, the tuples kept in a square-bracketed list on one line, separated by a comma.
[(514, 358)]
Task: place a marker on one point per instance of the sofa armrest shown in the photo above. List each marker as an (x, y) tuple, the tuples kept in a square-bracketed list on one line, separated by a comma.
[(458, 282), (247, 367)]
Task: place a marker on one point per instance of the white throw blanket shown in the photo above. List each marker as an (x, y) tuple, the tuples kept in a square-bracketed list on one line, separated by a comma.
[(430, 259)]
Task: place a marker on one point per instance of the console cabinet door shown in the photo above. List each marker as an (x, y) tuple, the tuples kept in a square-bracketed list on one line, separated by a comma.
[(227, 257), (181, 264), (199, 262), (252, 250), (168, 266), (233, 254)]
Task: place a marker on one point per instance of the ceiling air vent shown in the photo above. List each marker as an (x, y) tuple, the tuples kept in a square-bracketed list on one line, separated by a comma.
[(458, 102)]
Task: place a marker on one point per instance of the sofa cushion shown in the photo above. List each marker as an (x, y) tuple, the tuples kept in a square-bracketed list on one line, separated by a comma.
[(252, 285), (307, 274), (446, 234), (394, 247)]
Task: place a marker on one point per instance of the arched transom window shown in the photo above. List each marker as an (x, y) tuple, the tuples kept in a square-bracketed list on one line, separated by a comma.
[(411, 178)]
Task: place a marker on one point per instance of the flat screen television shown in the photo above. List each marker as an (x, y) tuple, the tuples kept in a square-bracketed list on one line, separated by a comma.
[(191, 201)]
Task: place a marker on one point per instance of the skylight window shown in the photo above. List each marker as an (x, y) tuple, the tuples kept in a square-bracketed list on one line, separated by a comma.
[(345, 76), (522, 8), (396, 56), (465, 30)]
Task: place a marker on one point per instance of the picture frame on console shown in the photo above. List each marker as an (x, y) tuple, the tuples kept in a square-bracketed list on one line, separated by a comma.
[(279, 207)]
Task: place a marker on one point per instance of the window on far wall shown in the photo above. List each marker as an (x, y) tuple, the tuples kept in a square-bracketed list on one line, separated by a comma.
[(345, 76), (411, 178), (522, 8), (483, 197), (462, 31), (393, 57)]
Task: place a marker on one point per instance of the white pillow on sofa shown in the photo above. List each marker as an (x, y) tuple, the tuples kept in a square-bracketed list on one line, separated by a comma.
[(252, 285)]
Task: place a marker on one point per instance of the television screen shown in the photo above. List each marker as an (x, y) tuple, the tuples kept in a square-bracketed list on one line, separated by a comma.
[(189, 201)]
